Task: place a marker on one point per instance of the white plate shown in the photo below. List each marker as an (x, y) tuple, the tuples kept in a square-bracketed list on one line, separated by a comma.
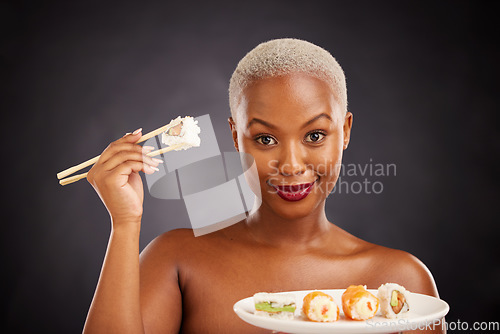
[(423, 310)]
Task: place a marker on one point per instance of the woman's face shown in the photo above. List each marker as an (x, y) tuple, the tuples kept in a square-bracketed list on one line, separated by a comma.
[(295, 129)]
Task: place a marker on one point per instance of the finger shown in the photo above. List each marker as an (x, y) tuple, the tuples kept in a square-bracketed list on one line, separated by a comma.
[(116, 147), (129, 167), (119, 176), (132, 137), (135, 153), (123, 156)]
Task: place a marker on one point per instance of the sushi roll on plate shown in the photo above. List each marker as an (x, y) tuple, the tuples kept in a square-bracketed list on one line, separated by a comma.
[(320, 307), (275, 305), (358, 303), (393, 300)]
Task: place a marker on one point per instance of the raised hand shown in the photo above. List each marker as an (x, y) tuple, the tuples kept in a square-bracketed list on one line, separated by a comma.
[(116, 179)]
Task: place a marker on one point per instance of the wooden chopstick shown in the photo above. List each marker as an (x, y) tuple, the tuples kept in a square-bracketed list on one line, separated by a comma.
[(78, 177), (92, 161), (72, 179)]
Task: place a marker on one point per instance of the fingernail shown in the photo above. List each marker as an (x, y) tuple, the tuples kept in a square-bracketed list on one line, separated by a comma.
[(154, 168), (158, 160), (147, 148), (137, 131)]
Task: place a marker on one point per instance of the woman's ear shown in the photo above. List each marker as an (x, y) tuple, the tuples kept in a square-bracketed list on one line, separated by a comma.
[(232, 125), (347, 128)]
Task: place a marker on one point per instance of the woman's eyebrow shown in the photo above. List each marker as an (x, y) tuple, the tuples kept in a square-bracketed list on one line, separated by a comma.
[(258, 120), (269, 125), (316, 118)]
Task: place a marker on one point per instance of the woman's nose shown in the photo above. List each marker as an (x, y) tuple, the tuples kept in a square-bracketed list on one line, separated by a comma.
[(291, 161)]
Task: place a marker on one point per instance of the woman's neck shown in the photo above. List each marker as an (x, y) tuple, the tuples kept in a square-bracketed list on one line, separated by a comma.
[(268, 227)]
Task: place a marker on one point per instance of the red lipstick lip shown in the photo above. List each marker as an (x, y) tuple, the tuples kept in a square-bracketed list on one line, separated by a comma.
[(294, 192)]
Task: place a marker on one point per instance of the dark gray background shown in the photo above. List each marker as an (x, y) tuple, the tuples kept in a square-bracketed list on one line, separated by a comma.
[(422, 85)]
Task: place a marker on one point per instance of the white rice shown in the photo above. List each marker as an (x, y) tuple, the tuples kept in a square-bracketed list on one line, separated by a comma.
[(276, 315), (361, 311), (189, 136), (316, 309)]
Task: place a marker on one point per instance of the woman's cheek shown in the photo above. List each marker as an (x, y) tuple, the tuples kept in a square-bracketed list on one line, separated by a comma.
[(264, 170), (267, 172), (328, 172)]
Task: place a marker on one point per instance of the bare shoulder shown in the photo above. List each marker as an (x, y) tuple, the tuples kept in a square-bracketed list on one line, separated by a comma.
[(177, 246), (168, 242), (162, 256), (404, 268)]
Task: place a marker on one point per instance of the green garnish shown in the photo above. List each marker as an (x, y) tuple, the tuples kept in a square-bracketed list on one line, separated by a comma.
[(394, 298), (266, 306)]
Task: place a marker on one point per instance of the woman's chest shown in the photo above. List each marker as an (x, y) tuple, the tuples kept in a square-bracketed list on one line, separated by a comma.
[(212, 284)]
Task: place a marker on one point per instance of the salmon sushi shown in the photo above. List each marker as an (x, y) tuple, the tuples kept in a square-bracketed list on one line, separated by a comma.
[(393, 300), (320, 307), (358, 303)]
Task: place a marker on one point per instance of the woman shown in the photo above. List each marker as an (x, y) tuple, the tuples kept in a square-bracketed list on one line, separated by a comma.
[(289, 111)]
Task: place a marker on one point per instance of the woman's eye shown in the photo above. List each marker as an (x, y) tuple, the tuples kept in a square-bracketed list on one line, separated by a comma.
[(266, 140), (314, 137)]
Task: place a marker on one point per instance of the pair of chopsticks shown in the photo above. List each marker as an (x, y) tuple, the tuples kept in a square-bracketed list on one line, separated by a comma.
[(64, 180)]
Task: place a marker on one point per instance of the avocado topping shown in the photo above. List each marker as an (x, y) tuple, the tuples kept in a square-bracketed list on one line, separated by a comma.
[(394, 298), (266, 306), (398, 302)]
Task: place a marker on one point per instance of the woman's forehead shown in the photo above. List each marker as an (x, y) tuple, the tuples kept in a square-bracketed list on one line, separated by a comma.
[(288, 98)]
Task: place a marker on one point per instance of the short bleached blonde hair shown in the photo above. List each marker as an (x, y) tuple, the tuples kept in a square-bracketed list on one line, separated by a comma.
[(285, 56)]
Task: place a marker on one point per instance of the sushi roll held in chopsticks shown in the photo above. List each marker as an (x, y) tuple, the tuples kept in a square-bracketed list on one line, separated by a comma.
[(275, 305), (183, 133), (320, 307), (358, 303), (393, 300), (179, 134)]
